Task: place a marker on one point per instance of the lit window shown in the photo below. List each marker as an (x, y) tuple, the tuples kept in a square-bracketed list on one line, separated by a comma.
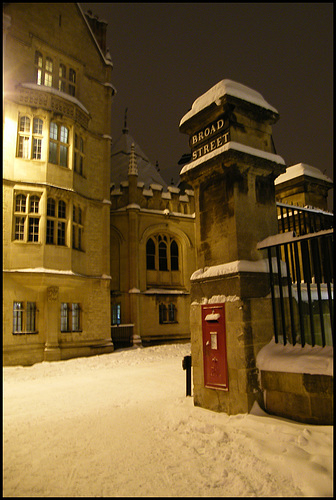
[(167, 314), (62, 78), (44, 70), (24, 320), (21, 218), (33, 229), (116, 314), (58, 144), (75, 318), (70, 317), (30, 140), (17, 317), (56, 227)]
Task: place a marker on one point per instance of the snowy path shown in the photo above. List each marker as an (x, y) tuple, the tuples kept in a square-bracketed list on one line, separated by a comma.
[(120, 425)]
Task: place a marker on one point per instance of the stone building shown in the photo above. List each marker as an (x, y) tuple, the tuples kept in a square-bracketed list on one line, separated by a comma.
[(152, 249), (93, 236), (56, 207)]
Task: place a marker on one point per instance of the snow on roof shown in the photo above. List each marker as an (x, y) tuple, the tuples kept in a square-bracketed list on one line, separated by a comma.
[(301, 169), (296, 359), (226, 87), (51, 90), (120, 155), (237, 147)]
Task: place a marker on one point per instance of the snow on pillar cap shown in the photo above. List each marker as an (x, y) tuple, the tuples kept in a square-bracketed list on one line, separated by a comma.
[(227, 87)]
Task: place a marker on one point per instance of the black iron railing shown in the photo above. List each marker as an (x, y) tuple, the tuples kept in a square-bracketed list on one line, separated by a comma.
[(301, 279), (302, 220)]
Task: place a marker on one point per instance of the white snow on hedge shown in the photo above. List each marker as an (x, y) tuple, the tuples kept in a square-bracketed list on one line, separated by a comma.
[(222, 88), (296, 359)]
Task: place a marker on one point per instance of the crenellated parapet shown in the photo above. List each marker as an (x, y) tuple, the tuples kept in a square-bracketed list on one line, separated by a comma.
[(153, 198)]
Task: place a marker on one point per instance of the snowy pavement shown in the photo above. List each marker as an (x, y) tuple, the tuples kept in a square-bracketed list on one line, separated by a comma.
[(119, 424)]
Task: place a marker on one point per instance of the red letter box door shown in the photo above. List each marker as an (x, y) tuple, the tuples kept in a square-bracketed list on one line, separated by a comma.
[(214, 347)]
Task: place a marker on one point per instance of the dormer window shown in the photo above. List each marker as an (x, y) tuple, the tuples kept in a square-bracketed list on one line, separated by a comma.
[(44, 70)]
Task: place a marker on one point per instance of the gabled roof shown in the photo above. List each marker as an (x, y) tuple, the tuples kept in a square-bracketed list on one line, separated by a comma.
[(120, 157)]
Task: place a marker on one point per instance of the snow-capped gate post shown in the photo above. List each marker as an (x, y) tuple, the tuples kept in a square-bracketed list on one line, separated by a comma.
[(232, 170)]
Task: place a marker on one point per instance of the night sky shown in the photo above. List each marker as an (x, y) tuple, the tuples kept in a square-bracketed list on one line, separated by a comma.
[(165, 55)]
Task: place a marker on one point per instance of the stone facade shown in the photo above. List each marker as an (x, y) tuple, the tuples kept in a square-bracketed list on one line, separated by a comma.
[(152, 248), (57, 117)]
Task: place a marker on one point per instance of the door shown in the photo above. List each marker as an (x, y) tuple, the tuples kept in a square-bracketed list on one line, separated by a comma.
[(214, 347)]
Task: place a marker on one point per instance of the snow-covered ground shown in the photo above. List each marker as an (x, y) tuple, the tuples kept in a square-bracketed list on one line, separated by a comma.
[(120, 425)]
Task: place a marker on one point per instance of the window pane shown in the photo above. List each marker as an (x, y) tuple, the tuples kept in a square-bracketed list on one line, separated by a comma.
[(79, 215), (34, 204), (24, 147), (75, 317), (162, 313), (150, 254), (48, 80), (33, 229), (38, 59), (163, 256), (20, 205), (61, 233), (49, 64), (19, 228), (39, 77), (61, 86), (53, 130), (173, 256), (17, 317), (24, 124), (72, 75), (61, 209), (64, 317), (63, 156), (51, 207), (53, 152), (62, 71), (64, 134), (31, 315), (37, 149), (171, 312), (37, 126), (50, 232), (80, 238)]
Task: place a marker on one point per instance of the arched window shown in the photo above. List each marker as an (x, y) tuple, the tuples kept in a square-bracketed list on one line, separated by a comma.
[(174, 261), (150, 254), (162, 253)]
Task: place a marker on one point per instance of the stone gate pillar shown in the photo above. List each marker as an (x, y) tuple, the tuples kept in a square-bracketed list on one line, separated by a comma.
[(232, 170)]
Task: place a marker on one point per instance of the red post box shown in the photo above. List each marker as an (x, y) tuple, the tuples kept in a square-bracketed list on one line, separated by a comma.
[(214, 347)]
